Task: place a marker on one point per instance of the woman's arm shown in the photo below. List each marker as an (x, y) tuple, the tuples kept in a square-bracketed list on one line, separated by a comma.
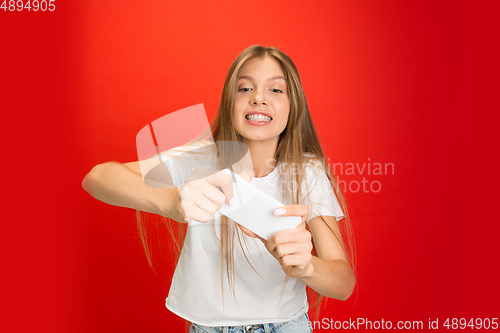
[(122, 185), (329, 273)]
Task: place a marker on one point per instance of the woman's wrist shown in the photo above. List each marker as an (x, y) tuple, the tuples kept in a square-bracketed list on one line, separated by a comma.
[(165, 201), (308, 271)]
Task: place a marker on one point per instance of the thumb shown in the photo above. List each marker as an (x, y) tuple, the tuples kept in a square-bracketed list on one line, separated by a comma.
[(245, 176), (293, 210)]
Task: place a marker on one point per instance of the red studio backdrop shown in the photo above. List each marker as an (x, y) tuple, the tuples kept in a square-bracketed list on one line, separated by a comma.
[(399, 93)]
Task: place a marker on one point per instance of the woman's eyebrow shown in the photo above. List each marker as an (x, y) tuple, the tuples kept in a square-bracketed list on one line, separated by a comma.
[(247, 77)]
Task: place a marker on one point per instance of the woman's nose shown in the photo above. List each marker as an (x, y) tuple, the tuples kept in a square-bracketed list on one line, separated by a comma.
[(258, 98)]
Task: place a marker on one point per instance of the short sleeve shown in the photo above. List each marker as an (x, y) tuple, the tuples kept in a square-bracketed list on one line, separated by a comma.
[(182, 161), (176, 169), (319, 195)]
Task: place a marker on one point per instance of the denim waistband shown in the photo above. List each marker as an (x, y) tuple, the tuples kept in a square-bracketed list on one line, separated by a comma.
[(298, 325)]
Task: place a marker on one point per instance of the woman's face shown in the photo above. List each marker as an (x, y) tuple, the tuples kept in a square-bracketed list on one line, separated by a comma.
[(261, 104)]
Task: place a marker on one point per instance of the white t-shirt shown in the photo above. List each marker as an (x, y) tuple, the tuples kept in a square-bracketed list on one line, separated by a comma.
[(260, 293)]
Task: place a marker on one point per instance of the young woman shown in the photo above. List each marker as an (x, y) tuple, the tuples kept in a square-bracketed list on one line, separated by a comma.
[(228, 278)]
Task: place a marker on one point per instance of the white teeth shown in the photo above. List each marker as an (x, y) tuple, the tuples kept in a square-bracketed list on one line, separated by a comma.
[(258, 117)]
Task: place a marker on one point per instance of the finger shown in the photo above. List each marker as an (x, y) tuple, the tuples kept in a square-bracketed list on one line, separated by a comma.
[(214, 194), (206, 205), (293, 210), (200, 215), (251, 233), (295, 248), (245, 176), (275, 240), (292, 236), (300, 261), (224, 181), (285, 249), (247, 231)]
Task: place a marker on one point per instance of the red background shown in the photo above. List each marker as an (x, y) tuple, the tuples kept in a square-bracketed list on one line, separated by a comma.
[(408, 83)]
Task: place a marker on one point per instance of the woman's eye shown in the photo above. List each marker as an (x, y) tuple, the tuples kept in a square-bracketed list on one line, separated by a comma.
[(244, 89), (276, 90)]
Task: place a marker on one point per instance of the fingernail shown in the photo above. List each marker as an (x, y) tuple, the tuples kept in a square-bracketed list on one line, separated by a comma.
[(231, 201), (280, 211)]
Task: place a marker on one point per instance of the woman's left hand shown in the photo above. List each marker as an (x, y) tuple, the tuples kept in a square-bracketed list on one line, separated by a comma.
[(292, 248)]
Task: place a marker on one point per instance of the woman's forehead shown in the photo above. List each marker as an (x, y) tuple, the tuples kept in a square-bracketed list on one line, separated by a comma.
[(261, 68)]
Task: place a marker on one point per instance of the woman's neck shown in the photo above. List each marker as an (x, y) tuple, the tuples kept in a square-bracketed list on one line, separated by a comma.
[(263, 156)]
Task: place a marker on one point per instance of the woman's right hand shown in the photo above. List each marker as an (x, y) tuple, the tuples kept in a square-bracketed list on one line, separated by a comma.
[(122, 185), (199, 198)]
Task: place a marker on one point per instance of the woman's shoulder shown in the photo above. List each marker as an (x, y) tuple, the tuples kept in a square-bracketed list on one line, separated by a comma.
[(313, 162), (196, 145), (199, 146), (315, 178)]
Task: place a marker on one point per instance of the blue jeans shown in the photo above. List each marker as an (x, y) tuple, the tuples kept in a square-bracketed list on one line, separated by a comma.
[(298, 325)]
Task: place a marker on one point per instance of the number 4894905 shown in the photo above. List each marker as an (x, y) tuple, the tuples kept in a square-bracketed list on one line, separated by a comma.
[(35, 5)]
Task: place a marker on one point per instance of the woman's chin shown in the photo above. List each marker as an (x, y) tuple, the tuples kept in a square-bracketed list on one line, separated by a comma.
[(252, 139)]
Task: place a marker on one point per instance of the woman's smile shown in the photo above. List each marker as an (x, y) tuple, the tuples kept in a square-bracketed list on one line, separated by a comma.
[(258, 118), (261, 104)]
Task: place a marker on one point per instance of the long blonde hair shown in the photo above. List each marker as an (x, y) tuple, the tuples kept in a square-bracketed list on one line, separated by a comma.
[(298, 145)]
